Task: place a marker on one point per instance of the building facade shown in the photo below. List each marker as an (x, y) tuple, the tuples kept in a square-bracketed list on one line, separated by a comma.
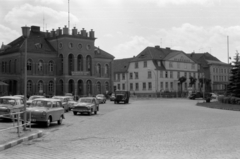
[(215, 70), (156, 70), (57, 63)]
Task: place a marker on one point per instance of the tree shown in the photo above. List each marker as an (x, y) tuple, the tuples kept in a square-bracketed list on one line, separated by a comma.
[(233, 88), (181, 81), (192, 80), (207, 83)]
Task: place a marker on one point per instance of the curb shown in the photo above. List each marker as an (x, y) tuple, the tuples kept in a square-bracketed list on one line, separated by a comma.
[(20, 140)]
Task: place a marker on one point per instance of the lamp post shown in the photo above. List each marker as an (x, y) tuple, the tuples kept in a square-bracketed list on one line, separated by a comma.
[(25, 32)]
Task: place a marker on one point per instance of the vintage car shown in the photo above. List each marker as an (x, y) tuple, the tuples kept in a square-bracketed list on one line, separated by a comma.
[(71, 103), (86, 105), (45, 110), (64, 100), (9, 105), (112, 97), (101, 98), (31, 98)]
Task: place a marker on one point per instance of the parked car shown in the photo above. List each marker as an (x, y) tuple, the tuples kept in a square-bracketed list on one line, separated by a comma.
[(71, 103), (101, 98), (31, 98), (64, 100), (195, 95), (9, 105), (86, 105), (46, 110), (21, 96), (214, 96), (112, 97)]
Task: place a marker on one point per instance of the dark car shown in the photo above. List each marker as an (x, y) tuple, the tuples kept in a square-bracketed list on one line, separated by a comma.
[(195, 95), (122, 96)]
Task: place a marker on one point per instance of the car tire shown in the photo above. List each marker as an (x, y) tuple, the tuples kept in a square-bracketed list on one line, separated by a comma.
[(48, 122), (60, 120), (74, 113)]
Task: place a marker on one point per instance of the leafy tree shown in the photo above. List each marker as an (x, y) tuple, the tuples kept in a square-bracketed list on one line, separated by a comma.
[(233, 88), (181, 81), (207, 84), (192, 81)]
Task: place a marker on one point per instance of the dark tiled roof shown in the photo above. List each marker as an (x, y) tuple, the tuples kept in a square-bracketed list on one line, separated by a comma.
[(206, 56), (121, 65), (99, 53)]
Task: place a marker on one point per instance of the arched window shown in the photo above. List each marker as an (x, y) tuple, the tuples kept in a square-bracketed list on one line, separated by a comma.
[(89, 64), (89, 88), (61, 86), (71, 86), (50, 65), (80, 63), (40, 87), (106, 70), (40, 65), (107, 86), (50, 86), (29, 64), (61, 63), (15, 66), (99, 70), (29, 86), (98, 87), (9, 66), (70, 64)]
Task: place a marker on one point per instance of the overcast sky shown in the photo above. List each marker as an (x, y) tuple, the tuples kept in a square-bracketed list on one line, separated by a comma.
[(125, 27)]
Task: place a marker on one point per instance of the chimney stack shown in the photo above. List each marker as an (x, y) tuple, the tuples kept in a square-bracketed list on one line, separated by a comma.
[(74, 31), (65, 30)]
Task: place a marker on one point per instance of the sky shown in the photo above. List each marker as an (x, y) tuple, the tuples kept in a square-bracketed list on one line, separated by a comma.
[(124, 28)]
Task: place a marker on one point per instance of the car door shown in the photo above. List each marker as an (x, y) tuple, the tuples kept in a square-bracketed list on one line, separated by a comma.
[(53, 110), (59, 110)]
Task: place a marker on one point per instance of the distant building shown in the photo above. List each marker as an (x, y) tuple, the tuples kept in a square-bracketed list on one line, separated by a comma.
[(57, 63), (215, 70), (155, 70)]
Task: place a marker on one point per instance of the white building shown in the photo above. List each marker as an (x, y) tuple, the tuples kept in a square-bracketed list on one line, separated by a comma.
[(155, 70)]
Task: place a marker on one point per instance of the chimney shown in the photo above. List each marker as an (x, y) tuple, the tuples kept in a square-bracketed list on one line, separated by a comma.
[(59, 31), (157, 47), (91, 34), (74, 31), (168, 48), (65, 30), (35, 29), (52, 33), (83, 32)]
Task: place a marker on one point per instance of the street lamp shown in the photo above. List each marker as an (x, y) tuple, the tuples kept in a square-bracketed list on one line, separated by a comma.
[(25, 32)]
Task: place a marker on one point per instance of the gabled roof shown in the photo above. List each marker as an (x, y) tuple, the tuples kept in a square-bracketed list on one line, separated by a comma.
[(216, 62), (36, 43), (99, 53), (121, 65), (206, 56)]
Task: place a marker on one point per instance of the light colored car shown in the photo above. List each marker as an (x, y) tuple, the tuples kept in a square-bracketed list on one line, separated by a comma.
[(112, 97), (46, 110), (64, 100), (214, 96), (101, 98), (9, 105), (31, 98), (86, 105), (71, 103)]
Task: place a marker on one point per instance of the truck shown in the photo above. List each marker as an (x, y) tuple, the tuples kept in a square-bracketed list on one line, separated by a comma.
[(121, 96)]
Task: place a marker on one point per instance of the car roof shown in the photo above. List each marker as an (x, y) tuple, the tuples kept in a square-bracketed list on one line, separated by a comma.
[(87, 98), (60, 97), (47, 99), (11, 97)]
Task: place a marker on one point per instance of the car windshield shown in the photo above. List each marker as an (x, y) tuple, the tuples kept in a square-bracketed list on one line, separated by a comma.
[(58, 98), (7, 101), (100, 95), (85, 100), (40, 103), (33, 97)]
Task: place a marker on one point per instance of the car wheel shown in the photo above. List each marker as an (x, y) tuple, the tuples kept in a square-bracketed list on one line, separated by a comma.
[(60, 120), (48, 122), (74, 113)]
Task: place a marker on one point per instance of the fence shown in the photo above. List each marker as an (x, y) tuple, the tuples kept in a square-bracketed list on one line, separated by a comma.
[(16, 119)]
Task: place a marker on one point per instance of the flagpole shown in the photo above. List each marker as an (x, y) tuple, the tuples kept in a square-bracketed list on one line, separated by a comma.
[(228, 48)]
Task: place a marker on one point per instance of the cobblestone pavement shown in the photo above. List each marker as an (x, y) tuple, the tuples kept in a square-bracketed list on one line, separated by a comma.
[(143, 129)]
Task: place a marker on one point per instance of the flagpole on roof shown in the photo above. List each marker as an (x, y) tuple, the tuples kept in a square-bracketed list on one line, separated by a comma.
[(228, 48)]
